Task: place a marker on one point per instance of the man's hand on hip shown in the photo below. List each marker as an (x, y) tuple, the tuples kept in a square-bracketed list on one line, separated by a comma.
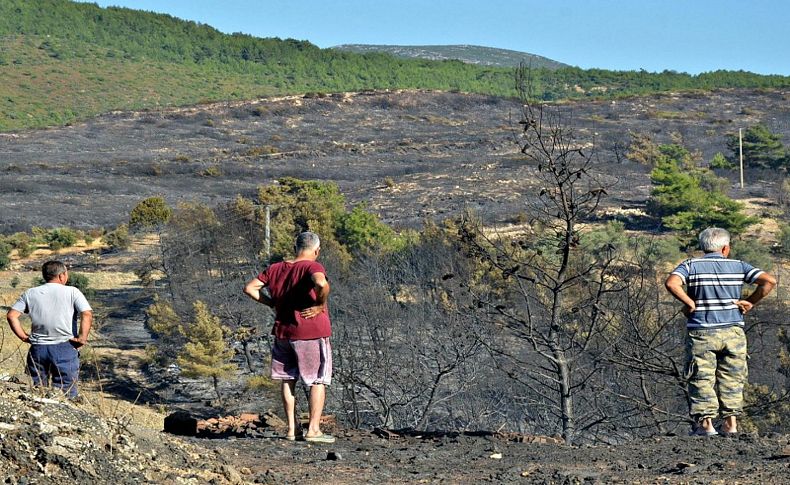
[(312, 311), (78, 342), (689, 309), (743, 305)]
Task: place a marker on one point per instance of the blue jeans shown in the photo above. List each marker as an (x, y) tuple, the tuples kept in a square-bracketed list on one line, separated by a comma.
[(59, 363)]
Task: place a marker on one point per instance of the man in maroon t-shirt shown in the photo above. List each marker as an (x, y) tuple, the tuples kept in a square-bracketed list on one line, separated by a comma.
[(298, 292)]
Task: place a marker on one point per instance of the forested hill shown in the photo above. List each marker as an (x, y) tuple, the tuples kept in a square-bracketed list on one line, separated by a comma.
[(471, 54), (62, 61)]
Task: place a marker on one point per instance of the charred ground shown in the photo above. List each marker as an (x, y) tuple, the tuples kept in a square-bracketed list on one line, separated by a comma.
[(410, 155)]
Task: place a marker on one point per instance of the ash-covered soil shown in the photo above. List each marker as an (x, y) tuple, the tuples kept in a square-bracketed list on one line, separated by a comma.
[(46, 439), (410, 155), (362, 457)]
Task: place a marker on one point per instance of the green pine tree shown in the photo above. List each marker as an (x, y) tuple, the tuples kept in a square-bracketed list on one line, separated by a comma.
[(689, 199), (761, 148), (205, 354)]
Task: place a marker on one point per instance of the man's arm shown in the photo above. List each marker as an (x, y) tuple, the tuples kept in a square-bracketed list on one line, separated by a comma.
[(13, 321), (86, 322), (765, 284), (674, 285), (321, 286), (253, 290)]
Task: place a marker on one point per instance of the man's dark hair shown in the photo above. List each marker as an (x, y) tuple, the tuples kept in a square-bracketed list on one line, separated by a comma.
[(52, 269)]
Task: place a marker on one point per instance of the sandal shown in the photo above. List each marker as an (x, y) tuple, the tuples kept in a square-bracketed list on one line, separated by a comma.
[(321, 438), (703, 432)]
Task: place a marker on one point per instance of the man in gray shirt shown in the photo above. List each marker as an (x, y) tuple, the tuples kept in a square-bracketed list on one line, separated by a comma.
[(54, 339)]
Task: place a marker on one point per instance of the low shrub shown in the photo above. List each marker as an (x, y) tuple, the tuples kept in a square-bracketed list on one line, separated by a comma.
[(261, 150), (149, 213), (5, 254), (260, 383), (23, 244), (61, 238), (211, 171), (119, 238)]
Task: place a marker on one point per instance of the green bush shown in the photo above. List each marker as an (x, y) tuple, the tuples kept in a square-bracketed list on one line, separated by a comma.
[(61, 238), (720, 161), (23, 244), (211, 171), (82, 283), (149, 213), (119, 238), (359, 230), (39, 234), (761, 148), (5, 254), (688, 199), (301, 205)]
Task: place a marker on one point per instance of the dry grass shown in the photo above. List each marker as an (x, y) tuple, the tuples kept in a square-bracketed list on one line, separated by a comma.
[(112, 408), (109, 406), (767, 230), (12, 353), (95, 400), (261, 383), (111, 280)]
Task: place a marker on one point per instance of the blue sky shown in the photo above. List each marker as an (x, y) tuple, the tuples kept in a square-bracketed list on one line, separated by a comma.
[(682, 35)]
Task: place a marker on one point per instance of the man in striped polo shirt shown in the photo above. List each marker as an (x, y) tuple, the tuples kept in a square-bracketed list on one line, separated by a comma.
[(716, 342)]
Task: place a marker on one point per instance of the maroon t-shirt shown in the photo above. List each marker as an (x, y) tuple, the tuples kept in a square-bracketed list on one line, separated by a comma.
[(292, 289)]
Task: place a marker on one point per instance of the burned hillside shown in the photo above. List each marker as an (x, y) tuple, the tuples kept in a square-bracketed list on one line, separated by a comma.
[(410, 155)]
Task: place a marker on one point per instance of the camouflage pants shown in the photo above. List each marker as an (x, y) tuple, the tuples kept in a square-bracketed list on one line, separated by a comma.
[(716, 371)]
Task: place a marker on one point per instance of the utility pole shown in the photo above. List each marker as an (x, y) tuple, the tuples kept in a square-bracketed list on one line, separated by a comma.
[(268, 233), (740, 150)]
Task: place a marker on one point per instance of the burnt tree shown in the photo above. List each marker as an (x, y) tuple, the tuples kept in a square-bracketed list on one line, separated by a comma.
[(553, 294)]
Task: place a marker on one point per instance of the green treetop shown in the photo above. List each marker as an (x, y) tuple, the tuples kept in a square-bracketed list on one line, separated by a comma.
[(761, 148), (689, 199), (149, 213), (206, 354)]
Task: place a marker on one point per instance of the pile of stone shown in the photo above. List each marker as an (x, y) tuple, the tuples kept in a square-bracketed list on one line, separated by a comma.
[(245, 425), (45, 438)]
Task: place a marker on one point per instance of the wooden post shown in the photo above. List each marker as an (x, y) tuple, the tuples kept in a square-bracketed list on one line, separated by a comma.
[(740, 150), (269, 233)]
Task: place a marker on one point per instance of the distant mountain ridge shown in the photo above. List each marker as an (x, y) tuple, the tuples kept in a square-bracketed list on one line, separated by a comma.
[(62, 61), (470, 54)]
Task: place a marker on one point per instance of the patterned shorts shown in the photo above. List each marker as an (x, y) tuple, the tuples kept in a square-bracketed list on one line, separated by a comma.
[(308, 360), (716, 370)]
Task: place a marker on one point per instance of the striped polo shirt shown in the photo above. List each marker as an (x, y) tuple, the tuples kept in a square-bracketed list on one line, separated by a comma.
[(713, 282)]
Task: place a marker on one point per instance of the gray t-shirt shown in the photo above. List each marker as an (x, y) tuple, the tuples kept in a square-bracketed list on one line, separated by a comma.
[(54, 309)]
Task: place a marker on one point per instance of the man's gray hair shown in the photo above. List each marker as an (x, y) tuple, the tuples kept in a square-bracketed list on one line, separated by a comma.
[(307, 241), (51, 270), (713, 239)]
